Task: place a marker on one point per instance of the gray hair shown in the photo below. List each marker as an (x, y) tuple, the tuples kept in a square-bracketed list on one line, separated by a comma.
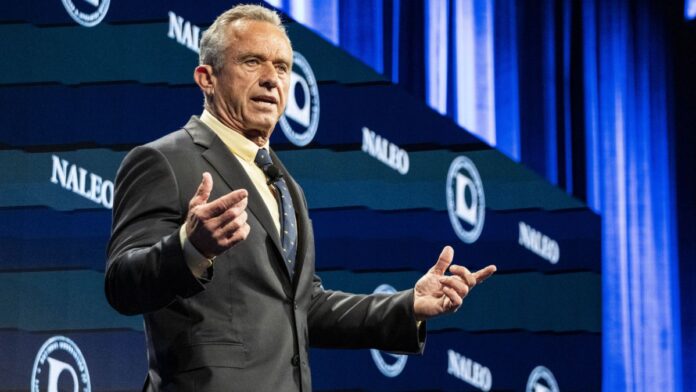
[(214, 41)]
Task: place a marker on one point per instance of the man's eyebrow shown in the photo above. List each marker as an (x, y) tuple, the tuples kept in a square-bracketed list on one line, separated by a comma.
[(258, 55)]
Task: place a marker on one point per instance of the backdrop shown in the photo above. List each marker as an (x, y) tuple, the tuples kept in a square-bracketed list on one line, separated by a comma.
[(82, 82)]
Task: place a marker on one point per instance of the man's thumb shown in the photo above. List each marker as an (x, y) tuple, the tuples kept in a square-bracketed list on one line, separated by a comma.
[(203, 191), (444, 261)]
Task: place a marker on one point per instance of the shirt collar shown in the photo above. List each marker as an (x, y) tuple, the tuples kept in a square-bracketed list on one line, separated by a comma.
[(235, 141)]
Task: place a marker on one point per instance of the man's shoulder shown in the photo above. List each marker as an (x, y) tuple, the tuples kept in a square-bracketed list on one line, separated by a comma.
[(170, 142), (180, 139), (179, 148), (178, 152)]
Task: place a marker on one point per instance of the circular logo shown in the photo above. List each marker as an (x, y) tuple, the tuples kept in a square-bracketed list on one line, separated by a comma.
[(542, 380), (60, 366), (89, 14), (466, 202), (301, 118), (391, 365)]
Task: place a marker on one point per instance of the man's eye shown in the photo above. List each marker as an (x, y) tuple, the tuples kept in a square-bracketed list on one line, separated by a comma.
[(252, 62), (282, 68)]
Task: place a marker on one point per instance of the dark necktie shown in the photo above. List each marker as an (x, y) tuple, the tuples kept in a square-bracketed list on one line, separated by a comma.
[(288, 222)]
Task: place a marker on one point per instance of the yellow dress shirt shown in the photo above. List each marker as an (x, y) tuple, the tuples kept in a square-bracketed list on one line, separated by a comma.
[(244, 150)]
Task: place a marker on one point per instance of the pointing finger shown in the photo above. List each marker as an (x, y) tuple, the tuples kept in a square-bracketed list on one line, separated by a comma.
[(229, 200), (242, 204), (457, 284), (485, 273), (444, 261), (464, 274), (223, 203)]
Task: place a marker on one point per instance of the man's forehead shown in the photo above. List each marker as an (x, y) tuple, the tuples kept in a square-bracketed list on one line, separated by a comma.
[(254, 31)]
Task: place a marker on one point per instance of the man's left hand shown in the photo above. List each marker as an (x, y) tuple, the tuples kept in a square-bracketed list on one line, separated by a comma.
[(437, 293)]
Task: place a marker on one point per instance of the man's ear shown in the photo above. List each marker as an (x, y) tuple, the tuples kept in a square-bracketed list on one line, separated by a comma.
[(203, 75)]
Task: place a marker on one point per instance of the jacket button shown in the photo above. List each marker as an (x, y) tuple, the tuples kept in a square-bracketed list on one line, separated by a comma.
[(295, 360)]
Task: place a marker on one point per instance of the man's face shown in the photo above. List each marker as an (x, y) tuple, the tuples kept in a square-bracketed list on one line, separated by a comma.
[(252, 87)]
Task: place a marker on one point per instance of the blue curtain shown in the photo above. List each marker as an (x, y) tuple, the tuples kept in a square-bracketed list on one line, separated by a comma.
[(581, 94), (630, 180)]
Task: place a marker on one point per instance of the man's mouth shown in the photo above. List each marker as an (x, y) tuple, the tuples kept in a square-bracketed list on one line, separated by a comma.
[(265, 99)]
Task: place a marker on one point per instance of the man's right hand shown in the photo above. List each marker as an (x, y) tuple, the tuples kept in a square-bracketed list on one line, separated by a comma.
[(213, 227)]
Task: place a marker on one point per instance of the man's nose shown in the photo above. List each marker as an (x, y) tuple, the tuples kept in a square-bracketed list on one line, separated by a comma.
[(269, 76)]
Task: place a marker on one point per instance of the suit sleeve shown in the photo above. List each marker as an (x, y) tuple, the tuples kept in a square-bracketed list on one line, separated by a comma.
[(383, 321), (146, 269)]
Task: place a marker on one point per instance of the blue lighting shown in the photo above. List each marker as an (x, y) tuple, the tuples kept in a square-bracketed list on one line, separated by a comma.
[(436, 43), (690, 9), (550, 88), (625, 114), (629, 182), (396, 18)]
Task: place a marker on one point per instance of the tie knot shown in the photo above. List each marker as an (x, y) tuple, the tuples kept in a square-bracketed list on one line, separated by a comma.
[(263, 158)]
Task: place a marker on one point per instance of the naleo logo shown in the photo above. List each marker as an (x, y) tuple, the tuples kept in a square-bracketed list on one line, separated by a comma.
[(466, 202), (542, 380), (60, 366), (184, 32), (385, 151), (88, 12), (301, 118), (539, 243), (91, 186), (469, 371)]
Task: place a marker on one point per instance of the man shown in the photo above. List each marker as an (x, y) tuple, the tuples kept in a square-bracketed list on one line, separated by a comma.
[(219, 262)]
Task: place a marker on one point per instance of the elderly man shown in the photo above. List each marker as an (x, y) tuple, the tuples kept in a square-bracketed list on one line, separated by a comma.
[(212, 243)]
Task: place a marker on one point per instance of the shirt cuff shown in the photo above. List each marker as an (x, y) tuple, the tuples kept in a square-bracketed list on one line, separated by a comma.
[(197, 263)]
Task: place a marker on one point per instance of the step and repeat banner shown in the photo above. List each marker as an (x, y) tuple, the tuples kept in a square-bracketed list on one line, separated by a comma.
[(389, 182)]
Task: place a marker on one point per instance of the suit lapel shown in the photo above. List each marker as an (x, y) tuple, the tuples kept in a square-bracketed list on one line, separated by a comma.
[(234, 175)]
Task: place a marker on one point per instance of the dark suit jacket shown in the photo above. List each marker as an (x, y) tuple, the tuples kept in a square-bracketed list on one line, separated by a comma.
[(245, 326)]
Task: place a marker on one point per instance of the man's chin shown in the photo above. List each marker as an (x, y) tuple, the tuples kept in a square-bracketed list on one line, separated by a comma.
[(264, 121), (264, 128)]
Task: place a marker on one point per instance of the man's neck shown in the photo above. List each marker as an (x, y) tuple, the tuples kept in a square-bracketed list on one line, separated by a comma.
[(257, 137)]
